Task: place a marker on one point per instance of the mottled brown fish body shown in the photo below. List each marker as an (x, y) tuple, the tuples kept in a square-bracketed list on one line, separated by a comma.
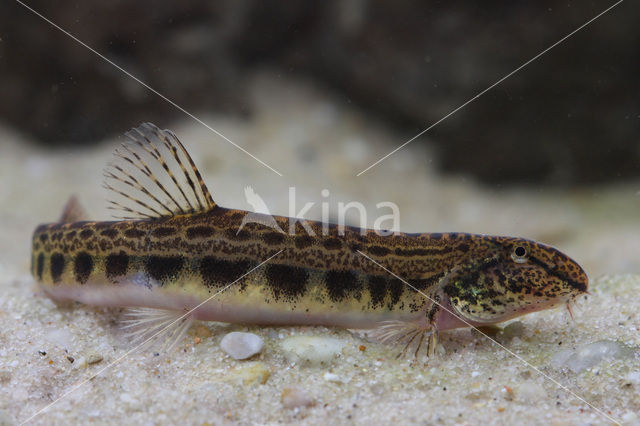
[(205, 252), (200, 254), (183, 249)]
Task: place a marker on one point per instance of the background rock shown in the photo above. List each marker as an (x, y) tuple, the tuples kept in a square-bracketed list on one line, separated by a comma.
[(573, 116)]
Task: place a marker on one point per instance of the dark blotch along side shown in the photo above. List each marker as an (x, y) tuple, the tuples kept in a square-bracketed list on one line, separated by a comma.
[(40, 265), (342, 284), (116, 265), (377, 290), (83, 265), (217, 272), (56, 267), (396, 288), (164, 268), (287, 282)]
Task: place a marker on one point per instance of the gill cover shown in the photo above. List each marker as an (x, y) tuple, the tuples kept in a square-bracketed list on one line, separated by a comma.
[(473, 292)]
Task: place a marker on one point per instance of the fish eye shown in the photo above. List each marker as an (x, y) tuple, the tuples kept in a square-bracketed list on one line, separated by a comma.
[(519, 254)]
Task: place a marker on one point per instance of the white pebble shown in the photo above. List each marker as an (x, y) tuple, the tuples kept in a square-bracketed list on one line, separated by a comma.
[(589, 355), (240, 345), (312, 349), (332, 377), (475, 373), (94, 358)]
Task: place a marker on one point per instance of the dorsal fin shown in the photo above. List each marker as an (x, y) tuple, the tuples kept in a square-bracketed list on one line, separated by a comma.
[(72, 211), (153, 176)]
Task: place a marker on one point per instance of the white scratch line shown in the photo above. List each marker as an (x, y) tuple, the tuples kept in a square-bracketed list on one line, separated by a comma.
[(147, 86), (130, 351), (491, 87), (518, 357)]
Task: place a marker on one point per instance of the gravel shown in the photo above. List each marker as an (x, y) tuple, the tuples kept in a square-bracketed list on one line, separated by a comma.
[(241, 345), (312, 349), (590, 355), (200, 383)]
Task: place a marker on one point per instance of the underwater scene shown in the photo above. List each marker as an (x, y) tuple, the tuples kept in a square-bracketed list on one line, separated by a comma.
[(353, 212)]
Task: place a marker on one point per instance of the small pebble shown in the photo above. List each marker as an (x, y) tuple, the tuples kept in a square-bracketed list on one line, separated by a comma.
[(94, 358), (315, 350), (203, 331), (508, 393), (589, 355), (257, 373), (240, 345), (477, 396), (293, 397), (332, 377)]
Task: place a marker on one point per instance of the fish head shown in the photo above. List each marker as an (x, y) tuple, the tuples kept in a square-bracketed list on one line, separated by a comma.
[(508, 277)]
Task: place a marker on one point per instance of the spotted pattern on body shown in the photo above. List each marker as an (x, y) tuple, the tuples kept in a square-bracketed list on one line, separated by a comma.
[(183, 245)]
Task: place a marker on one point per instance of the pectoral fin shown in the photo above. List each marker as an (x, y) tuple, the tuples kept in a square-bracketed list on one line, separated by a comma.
[(148, 326)]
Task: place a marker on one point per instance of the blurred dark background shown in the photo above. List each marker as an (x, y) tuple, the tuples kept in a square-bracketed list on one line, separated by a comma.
[(571, 117)]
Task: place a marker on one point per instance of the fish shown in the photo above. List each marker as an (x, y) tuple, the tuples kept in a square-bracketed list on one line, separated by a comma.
[(174, 253)]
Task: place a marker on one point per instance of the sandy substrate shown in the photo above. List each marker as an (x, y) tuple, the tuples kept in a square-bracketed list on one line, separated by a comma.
[(317, 143)]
